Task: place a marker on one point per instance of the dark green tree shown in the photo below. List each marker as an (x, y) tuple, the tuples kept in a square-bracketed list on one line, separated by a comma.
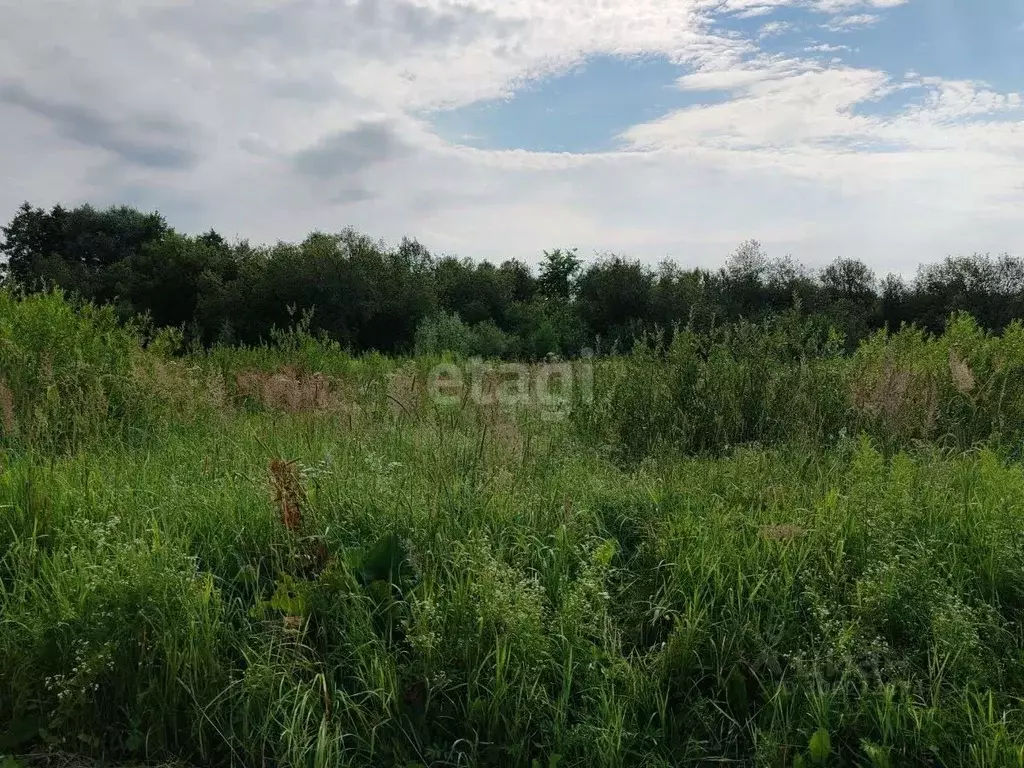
[(615, 299), (72, 248), (558, 271)]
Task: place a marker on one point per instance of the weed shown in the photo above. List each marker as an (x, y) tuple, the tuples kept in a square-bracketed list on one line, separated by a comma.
[(747, 547)]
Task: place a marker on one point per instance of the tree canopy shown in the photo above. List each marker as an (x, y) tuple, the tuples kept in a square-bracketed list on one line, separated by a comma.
[(370, 296)]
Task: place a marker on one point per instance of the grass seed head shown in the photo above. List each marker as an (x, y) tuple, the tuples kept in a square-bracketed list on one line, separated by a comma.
[(963, 377), (784, 532)]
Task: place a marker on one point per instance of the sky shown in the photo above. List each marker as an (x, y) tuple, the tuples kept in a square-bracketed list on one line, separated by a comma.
[(886, 130)]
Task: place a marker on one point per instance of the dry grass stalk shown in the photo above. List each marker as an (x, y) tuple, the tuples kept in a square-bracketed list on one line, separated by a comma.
[(7, 416), (286, 390), (402, 394), (784, 532), (182, 387), (505, 436), (312, 555), (906, 399), (317, 557), (288, 493), (292, 625), (963, 377)]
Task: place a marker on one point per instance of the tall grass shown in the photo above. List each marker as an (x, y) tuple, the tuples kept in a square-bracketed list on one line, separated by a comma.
[(779, 573), (702, 393), (784, 381), (64, 371)]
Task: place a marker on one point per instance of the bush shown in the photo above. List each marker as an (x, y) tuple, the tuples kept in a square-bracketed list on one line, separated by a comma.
[(441, 333), (963, 387), (446, 332)]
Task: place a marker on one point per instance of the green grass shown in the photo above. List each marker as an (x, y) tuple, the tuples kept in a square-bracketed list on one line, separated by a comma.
[(476, 586)]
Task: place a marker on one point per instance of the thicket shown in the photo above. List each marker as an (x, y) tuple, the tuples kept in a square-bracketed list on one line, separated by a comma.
[(368, 296), (788, 380), (749, 546)]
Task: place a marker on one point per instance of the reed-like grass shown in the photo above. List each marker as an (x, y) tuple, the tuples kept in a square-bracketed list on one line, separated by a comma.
[(367, 582)]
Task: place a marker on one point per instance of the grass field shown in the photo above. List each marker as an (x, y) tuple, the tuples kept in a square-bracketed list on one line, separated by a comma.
[(744, 548)]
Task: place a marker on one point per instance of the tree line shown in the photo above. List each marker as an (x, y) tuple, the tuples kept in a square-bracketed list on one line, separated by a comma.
[(371, 296)]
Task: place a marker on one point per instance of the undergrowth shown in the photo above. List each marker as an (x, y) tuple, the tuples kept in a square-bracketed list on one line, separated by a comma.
[(746, 548)]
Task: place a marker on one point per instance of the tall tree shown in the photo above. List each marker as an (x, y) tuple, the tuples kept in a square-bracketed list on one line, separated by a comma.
[(558, 271), (72, 247), (615, 299)]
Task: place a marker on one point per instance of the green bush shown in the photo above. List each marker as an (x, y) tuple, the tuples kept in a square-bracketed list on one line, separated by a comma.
[(963, 387), (446, 333)]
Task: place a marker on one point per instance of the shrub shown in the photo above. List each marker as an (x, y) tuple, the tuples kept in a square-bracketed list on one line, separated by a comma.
[(447, 332)]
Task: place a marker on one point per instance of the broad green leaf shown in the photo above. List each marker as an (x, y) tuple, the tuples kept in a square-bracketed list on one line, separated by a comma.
[(820, 746)]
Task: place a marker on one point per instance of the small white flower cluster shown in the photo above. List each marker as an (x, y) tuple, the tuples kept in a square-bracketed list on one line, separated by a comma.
[(422, 627), (379, 466), (89, 664)]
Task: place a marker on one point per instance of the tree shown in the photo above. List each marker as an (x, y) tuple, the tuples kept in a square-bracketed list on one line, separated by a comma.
[(213, 239), (742, 282), (850, 299), (614, 298), (557, 273), (164, 278), (72, 248), (520, 279), (680, 297), (748, 263), (848, 279), (476, 292)]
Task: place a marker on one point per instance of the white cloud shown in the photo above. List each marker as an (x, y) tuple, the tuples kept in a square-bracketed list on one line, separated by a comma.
[(954, 100), (826, 48), (755, 8), (855, 21), (840, 6), (775, 28), (930, 168), (797, 109), (268, 118)]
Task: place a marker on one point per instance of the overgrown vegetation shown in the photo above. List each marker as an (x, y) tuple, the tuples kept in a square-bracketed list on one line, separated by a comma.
[(737, 545), (368, 296)]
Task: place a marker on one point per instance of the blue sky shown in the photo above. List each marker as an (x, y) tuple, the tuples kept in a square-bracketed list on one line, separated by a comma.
[(581, 110), (585, 108), (886, 130)]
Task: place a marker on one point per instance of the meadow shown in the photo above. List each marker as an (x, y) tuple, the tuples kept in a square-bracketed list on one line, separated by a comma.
[(743, 546)]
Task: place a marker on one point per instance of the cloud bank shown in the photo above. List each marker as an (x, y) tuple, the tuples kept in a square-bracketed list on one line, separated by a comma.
[(269, 118)]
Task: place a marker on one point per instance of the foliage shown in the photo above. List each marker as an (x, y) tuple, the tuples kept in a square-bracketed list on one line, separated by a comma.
[(809, 558), (782, 380), (72, 248), (447, 333), (64, 372), (368, 296), (558, 271)]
